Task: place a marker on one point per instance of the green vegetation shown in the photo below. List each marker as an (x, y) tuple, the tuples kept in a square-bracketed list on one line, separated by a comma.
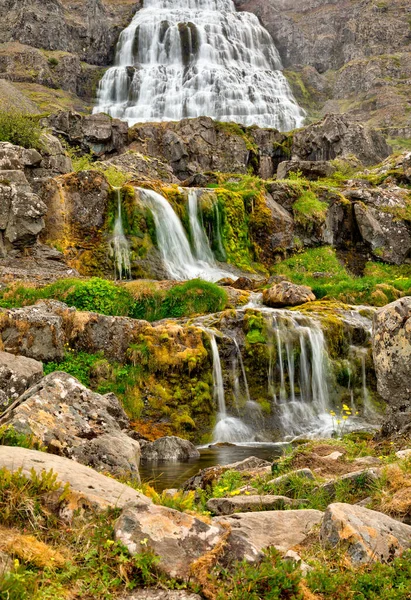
[(86, 162), (10, 437), (20, 129), (309, 211)]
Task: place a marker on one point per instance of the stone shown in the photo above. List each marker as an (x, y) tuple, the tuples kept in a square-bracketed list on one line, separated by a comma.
[(243, 283), (287, 294), (17, 374), (296, 558), (282, 529), (206, 477), (98, 490), (6, 562), (391, 341), (75, 422), (178, 538), (142, 168), (160, 594), (170, 448), (249, 503), (308, 168), (306, 473), (366, 535), (334, 455), (363, 478), (403, 454)]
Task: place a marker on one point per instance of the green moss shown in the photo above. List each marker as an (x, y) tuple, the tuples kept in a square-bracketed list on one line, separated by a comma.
[(232, 128), (309, 211)]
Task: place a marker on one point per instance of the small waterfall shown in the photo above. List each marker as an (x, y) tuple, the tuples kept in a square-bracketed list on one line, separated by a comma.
[(196, 58), (173, 244), (119, 246), (201, 244), (228, 429)]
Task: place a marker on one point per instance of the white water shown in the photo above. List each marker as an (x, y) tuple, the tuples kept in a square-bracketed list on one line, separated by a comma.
[(180, 262), (119, 246), (191, 58), (201, 244)]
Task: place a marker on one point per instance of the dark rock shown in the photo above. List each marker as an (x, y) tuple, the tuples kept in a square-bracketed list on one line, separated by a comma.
[(243, 283), (169, 449), (309, 169)]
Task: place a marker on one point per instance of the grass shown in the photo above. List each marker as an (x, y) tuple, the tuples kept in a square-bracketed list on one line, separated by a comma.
[(308, 210), (85, 162), (20, 129)]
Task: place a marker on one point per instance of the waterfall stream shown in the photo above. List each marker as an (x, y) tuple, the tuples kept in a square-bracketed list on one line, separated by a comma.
[(191, 58), (119, 246)]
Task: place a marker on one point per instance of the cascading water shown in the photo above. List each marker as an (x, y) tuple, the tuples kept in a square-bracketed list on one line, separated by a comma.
[(191, 58), (201, 244), (119, 246), (180, 262)]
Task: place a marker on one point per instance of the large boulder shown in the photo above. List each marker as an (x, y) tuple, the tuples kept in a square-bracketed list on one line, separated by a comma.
[(282, 529), (169, 448), (177, 538), (287, 294), (308, 168), (392, 359), (89, 487), (336, 136), (366, 535), (72, 421), (17, 374)]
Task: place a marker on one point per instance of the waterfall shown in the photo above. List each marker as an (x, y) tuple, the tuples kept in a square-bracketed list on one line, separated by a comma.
[(192, 58), (119, 246), (173, 244), (201, 244), (228, 429)]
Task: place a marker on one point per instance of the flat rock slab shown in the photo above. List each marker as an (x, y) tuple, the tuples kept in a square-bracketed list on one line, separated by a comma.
[(154, 594), (282, 529), (249, 503), (99, 490), (369, 536)]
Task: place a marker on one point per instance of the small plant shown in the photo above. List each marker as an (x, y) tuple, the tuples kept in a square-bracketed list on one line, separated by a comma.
[(53, 62), (20, 129)]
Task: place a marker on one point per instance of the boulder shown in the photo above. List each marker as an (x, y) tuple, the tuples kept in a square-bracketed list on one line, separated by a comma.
[(287, 294), (249, 503), (366, 535), (391, 342), (170, 448), (177, 538), (282, 529), (306, 473), (308, 168), (358, 478), (403, 454), (336, 136), (72, 421), (97, 490), (17, 373)]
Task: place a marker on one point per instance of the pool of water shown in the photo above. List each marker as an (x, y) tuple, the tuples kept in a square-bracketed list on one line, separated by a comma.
[(163, 475)]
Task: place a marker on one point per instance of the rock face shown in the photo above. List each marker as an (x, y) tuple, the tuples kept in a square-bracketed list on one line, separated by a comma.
[(281, 529), (369, 536), (338, 137), (392, 359), (169, 449), (178, 538), (17, 374), (287, 294), (312, 169), (72, 421), (97, 490)]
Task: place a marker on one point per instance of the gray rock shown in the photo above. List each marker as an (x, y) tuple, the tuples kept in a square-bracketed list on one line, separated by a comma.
[(205, 477), (282, 529), (309, 169), (251, 503), (178, 538), (366, 477), (17, 373), (97, 489), (306, 473), (287, 294), (368, 536), (170, 448), (72, 421)]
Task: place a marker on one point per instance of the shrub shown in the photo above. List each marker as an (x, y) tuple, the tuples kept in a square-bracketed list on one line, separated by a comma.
[(20, 129), (194, 297), (100, 295)]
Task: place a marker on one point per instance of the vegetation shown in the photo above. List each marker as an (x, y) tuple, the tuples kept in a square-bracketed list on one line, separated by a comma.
[(20, 129), (86, 162)]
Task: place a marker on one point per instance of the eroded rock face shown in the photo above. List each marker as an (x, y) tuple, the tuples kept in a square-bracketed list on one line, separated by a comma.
[(17, 374), (169, 448), (287, 294), (392, 359), (72, 421), (368, 536)]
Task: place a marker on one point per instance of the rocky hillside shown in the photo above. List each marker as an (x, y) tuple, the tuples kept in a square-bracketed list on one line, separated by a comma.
[(345, 56)]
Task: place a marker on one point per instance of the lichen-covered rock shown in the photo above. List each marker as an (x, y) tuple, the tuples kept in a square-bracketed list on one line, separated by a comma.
[(310, 169), (17, 374), (250, 503), (169, 448), (392, 359), (142, 168), (179, 539), (367, 536), (287, 294), (72, 421)]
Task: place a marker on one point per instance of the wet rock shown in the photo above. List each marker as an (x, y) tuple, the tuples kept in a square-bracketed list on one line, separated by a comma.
[(178, 538), (368, 536), (336, 136), (250, 503), (308, 168), (287, 294), (357, 478), (243, 283), (96, 489), (170, 448), (17, 374), (281, 529), (392, 359), (306, 473), (272, 229), (72, 421)]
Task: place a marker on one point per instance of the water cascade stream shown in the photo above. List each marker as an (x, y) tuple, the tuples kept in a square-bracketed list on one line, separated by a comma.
[(191, 58), (119, 246)]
